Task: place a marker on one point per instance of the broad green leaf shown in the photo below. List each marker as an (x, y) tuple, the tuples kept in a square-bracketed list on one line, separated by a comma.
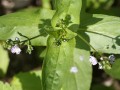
[(115, 71), (27, 81), (26, 22), (104, 32), (57, 64), (59, 61), (67, 7), (24, 81), (4, 61), (81, 60)]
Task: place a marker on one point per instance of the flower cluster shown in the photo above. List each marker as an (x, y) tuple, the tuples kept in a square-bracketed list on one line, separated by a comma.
[(104, 63), (14, 46)]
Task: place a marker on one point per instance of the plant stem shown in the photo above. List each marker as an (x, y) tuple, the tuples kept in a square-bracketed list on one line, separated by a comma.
[(87, 43), (28, 39)]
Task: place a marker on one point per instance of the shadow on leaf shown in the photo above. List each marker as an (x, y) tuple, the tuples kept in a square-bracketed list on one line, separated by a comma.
[(44, 26), (118, 40), (80, 43)]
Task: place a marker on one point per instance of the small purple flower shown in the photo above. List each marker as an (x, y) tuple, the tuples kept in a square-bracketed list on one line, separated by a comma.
[(15, 49), (74, 69), (93, 60)]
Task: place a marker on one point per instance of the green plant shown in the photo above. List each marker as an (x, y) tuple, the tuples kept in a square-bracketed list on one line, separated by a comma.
[(69, 34)]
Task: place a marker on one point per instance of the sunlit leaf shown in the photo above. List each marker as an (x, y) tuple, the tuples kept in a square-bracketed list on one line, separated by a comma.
[(57, 64), (64, 70), (27, 81), (27, 23), (5, 86), (103, 31), (67, 7), (81, 60), (4, 61)]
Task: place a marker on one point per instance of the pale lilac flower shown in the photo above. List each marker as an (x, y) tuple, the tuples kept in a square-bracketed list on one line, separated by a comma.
[(93, 60), (15, 49), (100, 66), (74, 69)]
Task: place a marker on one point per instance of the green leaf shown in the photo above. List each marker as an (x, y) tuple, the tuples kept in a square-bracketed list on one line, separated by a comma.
[(115, 71), (27, 81), (67, 7), (57, 64), (46, 4), (104, 32), (81, 60), (27, 23), (24, 81), (4, 61), (59, 61), (5, 86)]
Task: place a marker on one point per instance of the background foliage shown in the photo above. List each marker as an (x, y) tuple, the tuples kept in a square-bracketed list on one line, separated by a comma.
[(23, 72)]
